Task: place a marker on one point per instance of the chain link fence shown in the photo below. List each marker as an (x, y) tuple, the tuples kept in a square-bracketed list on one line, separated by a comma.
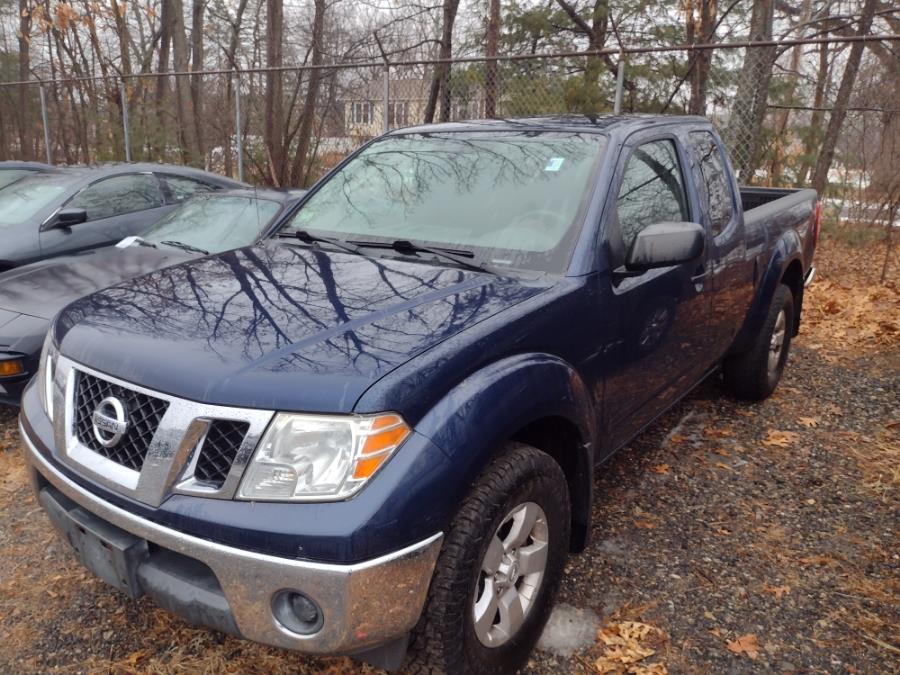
[(290, 125)]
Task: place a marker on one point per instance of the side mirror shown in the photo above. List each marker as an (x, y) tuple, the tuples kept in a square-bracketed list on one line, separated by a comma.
[(665, 244), (69, 217)]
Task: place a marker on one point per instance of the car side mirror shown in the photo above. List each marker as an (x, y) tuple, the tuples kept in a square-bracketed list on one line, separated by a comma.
[(69, 217), (665, 244)]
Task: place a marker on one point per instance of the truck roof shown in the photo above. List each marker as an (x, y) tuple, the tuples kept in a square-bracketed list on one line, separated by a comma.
[(566, 122)]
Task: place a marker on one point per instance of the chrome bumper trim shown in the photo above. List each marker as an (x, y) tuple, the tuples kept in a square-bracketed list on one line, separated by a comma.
[(363, 605), (810, 275)]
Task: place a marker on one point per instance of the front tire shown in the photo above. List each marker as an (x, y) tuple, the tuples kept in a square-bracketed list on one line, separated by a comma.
[(499, 569), (754, 374)]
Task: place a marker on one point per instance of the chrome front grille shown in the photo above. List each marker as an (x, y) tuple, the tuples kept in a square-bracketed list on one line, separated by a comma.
[(170, 445), (222, 442), (143, 414)]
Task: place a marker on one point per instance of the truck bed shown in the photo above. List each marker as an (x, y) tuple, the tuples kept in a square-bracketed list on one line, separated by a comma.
[(780, 207), (751, 197)]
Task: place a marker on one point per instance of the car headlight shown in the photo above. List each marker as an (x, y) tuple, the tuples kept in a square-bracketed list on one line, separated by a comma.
[(320, 457), (44, 374)]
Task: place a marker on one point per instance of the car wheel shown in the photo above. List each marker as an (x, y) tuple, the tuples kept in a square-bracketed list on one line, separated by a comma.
[(754, 374), (498, 571)]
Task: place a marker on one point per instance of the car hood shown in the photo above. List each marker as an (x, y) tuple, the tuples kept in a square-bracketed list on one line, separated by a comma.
[(278, 326), (43, 288)]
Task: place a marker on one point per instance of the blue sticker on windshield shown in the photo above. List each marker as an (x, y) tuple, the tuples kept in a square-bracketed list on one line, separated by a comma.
[(554, 164)]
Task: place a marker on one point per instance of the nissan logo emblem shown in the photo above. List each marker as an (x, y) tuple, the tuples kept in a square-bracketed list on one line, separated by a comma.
[(109, 421)]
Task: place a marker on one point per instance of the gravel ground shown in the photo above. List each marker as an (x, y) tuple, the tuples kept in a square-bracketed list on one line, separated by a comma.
[(727, 538)]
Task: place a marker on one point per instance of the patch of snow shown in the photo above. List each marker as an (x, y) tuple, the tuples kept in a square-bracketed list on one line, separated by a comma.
[(569, 630)]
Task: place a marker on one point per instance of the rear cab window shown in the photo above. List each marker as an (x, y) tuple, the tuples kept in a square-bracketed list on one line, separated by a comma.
[(714, 182)]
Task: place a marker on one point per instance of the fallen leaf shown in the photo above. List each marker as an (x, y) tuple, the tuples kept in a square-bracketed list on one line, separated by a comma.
[(809, 422), (777, 591), (746, 644), (661, 468), (781, 439)]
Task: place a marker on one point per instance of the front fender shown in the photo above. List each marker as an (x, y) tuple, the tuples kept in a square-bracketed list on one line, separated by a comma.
[(473, 421), (787, 249)]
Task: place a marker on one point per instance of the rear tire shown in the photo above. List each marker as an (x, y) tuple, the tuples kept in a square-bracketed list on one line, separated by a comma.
[(754, 374), (506, 548)]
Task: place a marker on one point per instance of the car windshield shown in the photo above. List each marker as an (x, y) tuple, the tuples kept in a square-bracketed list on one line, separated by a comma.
[(8, 176), (22, 200), (215, 223), (511, 199)]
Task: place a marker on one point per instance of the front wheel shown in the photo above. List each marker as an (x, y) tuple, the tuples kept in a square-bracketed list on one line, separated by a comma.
[(498, 571), (754, 374)]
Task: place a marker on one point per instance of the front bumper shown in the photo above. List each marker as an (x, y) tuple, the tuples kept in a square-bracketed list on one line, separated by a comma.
[(363, 605)]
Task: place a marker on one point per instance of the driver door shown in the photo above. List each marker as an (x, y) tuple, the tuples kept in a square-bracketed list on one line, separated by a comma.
[(658, 319)]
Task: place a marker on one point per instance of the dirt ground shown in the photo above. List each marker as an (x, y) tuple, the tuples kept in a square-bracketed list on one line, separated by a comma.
[(728, 538)]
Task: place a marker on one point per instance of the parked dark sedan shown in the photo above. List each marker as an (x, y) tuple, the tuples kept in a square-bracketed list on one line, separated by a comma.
[(32, 294), (64, 211), (10, 172)]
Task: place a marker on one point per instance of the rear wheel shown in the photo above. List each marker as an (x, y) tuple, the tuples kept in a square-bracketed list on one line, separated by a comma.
[(498, 570), (754, 374)]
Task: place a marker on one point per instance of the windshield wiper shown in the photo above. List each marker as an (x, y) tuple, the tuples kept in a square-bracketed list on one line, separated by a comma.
[(308, 238), (185, 247), (461, 257)]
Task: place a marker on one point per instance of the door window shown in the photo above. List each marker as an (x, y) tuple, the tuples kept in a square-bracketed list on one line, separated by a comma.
[(118, 195), (181, 188), (715, 179), (652, 190)]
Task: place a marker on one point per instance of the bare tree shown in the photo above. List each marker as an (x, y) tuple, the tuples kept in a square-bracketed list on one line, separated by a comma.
[(841, 101), (745, 127), (440, 81), (274, 104)]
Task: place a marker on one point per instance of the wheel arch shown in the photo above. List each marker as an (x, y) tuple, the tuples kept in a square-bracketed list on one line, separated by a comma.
[(535, 398)]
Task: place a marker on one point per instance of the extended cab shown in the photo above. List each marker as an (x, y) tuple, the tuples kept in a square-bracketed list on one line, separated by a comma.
[(375, 434)]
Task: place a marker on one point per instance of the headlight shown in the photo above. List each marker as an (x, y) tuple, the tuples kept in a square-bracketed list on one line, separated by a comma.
[(319, 457), (45, 374)]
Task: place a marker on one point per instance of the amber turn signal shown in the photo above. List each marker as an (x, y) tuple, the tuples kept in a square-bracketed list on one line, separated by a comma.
[(11, 367), (387, 433)]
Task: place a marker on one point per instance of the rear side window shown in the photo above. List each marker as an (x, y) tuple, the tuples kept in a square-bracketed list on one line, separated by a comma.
[(652, 190), (118, 195), (715, 179), (181, 188)]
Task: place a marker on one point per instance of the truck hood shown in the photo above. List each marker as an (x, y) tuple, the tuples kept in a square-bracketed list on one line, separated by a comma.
[(278, 326), (43, 288)]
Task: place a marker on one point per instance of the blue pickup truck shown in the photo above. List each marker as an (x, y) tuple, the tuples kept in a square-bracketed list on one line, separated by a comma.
[(375, 434)]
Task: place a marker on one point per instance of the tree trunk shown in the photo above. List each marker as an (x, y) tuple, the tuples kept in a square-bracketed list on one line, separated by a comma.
[(198, 9), (782, 136), (703, 58), (440, 81), (160, 137), (274, 123), (300, 167), (25, 118), (751, 97), (190, 146), (491, 74), (814, 134), (839, 111), (230, 58)]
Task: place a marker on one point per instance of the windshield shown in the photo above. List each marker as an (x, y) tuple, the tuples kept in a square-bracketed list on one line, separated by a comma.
[(22, 200), (513, 199), (8, 176), (215, 223)]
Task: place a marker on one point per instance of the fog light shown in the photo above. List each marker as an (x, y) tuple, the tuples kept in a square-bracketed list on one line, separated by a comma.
[(297, 612), (11, 367)]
